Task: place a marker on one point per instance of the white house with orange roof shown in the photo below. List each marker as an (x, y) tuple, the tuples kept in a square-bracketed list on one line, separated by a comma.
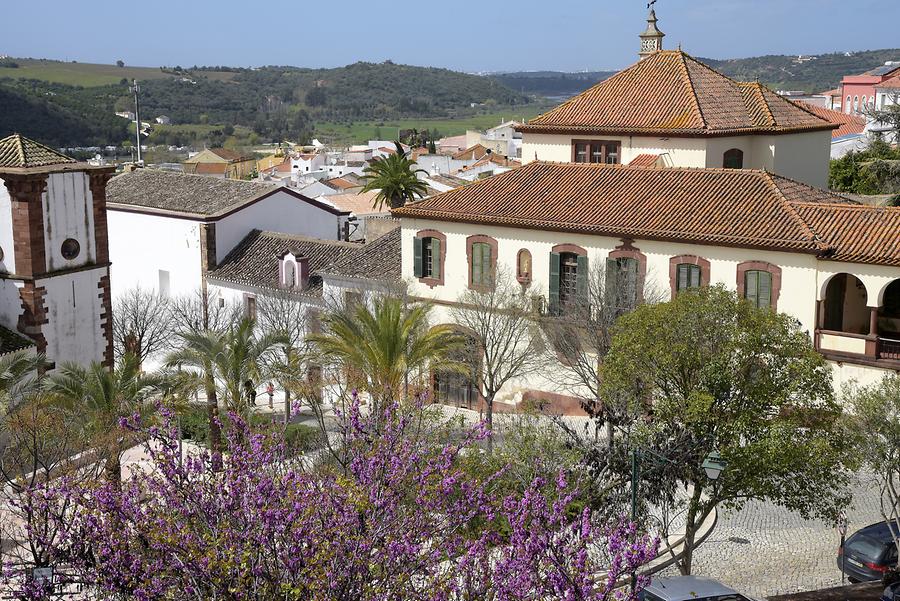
[(669, 176)]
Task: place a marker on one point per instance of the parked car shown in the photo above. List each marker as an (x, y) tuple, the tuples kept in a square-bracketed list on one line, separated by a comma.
[(891, 593), (868, 554), (689, 588)]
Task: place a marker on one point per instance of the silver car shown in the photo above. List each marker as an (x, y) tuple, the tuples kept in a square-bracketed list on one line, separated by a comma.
[(689, 588)]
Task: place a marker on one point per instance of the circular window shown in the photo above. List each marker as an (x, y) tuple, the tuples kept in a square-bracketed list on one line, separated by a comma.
[(70, 249)]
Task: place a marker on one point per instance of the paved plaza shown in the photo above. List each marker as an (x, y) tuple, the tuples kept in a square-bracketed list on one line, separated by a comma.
[(764, 550)]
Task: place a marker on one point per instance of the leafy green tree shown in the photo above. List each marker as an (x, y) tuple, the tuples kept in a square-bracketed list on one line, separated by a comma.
[(19, 377), (718, 375), (385, 344), (876, 418), (395, 178), (97, 398)]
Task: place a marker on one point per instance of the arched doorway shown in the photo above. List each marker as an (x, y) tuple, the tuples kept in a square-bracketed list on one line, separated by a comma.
[(459, 388), (889, 323), (846, 305)]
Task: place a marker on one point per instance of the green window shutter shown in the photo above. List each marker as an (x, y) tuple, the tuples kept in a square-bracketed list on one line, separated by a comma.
[(612, 283), (682, 281), (765, 289), (417, 257), (581, 279), (554, 283), (695, 276), (436, 258), (476, 264), (486, 271), (751, 287)]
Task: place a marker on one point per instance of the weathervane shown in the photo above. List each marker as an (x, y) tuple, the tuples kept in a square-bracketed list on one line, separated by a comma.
[(650, 4)]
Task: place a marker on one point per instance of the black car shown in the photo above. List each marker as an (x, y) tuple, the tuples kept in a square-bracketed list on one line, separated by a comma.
[(868, 553)]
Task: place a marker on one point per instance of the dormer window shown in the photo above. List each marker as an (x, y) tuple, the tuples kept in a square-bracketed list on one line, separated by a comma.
[(293, 271)]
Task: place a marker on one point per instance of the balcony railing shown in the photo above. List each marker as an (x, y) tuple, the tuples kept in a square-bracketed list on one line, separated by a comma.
[(861, 348), (889, 349)]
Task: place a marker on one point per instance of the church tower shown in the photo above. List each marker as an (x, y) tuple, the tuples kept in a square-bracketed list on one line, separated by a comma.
[(651, 39), (54, 255)]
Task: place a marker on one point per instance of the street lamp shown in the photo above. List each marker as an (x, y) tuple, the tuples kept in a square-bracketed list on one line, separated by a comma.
[(713, 465)]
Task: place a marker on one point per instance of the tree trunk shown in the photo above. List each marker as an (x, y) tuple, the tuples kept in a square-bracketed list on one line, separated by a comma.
[(215, 432), (690, 531), (287, 406), (489, 421), (113, 468)]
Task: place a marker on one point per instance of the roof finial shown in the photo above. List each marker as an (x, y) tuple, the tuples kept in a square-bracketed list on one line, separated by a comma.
[(651, 39)]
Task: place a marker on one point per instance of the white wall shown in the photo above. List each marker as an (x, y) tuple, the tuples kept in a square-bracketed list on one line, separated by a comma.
[(10, 304), (803, 281), (8, 263), (804, 157), (140, 245), (68, 213), (280, 212), (74, 332), (683, 152)]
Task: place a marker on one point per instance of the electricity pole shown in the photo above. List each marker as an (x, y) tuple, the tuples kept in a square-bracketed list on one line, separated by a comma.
[(137, 119)]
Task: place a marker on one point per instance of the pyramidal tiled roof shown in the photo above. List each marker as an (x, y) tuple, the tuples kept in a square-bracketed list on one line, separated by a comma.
[(672, 93), (19, 152)]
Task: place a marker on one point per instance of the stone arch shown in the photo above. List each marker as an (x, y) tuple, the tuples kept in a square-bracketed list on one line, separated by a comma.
[(845, 305)]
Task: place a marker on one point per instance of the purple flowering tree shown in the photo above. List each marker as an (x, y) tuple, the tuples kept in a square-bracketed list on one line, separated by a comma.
[(404, 521)]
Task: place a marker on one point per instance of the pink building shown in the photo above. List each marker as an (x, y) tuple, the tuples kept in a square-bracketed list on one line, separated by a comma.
[(858, 91)]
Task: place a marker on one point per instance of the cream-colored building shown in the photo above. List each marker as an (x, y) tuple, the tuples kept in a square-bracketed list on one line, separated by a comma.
[(671, 105), (832, 264)]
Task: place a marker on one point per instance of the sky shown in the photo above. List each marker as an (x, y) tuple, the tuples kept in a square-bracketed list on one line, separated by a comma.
[(493, 35)]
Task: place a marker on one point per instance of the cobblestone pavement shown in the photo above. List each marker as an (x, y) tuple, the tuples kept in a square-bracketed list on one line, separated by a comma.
[(764, 550)]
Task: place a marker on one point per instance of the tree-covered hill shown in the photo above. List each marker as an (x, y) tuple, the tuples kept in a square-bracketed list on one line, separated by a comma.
[(60, 115), (781, 72)]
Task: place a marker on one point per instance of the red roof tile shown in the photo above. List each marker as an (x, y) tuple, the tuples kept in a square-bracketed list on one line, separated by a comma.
[(672, 93), (722, 207), (847, 124), (475, 152), (644, 160), (892, 83)]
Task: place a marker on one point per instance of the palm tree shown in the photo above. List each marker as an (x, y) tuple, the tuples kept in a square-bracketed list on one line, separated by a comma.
[(20, 374), (386, 343), (97, 398), (395, 178), (224, 362)]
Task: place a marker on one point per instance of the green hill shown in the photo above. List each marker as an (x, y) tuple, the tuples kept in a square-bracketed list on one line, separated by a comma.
[(86, 74), (780, 72)]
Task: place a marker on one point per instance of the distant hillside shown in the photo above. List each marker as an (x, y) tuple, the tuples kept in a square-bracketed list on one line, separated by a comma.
[(276, 102), (551, 83), (777, 71), (819, 74), (60, 115)]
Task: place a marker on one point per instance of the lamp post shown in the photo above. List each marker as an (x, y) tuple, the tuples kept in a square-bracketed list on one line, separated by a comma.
[(713, 464)]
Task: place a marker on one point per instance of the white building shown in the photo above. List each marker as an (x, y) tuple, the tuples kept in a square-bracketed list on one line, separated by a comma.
[(502, 139), (832, 264), (671, 104), (54, 258), (318, 274), (167, 230)]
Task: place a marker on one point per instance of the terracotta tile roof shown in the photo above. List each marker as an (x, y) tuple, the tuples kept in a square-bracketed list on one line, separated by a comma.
[(19, 152), (672, 93), (229, 155), (387, 150), (379, 259), (891, 83), (847, 124), (832, 93), (475, 152), (722, 207), (341, 183), (358, 204), (644, 160), (254, 261), (857, 234), (492, 159)]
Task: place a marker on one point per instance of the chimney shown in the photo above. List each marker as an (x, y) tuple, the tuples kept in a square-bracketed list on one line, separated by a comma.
[(303, 272)]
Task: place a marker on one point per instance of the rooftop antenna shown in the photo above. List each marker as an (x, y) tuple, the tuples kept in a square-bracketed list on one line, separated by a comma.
[(137, 118)]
